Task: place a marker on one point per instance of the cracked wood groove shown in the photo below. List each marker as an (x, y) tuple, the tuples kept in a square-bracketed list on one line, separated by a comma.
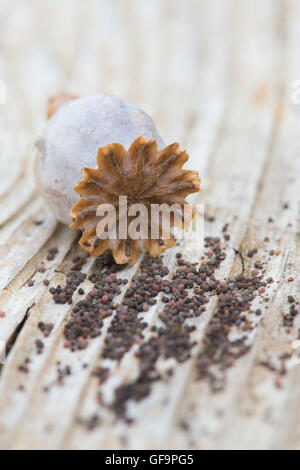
[(217, 77)]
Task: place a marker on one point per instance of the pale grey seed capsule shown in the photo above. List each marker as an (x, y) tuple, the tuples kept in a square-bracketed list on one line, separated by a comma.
[(71, 140)]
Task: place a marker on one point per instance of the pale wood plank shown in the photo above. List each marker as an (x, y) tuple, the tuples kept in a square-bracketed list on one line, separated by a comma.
[(18, 403), (17, 297), (22, 238)]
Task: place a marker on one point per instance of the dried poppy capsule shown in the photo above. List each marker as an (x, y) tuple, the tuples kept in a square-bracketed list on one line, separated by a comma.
[(57, 101), (123, 142)]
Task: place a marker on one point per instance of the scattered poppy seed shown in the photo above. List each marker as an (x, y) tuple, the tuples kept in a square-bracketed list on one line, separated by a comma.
[(45, 328), (90, 423), (101, 373), (52, 254), (251, 253), (39, 346)]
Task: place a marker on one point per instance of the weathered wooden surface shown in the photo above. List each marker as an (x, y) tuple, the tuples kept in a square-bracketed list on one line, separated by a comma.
[(216, 76)]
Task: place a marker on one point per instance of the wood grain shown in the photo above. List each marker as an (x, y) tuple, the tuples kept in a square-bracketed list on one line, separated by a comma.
[(217, 77)]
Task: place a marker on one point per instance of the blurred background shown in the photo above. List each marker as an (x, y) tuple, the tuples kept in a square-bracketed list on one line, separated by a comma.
[(180, 60), (170, 57)]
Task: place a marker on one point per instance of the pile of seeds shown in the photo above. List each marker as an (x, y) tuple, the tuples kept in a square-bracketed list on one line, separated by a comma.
[(88, 314), (63, 295), (127, 327), (219, 352), (173, 337), (184, 296)]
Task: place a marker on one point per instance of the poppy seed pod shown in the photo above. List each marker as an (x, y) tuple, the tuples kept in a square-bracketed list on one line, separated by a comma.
[(98, 149), (77, 128)]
